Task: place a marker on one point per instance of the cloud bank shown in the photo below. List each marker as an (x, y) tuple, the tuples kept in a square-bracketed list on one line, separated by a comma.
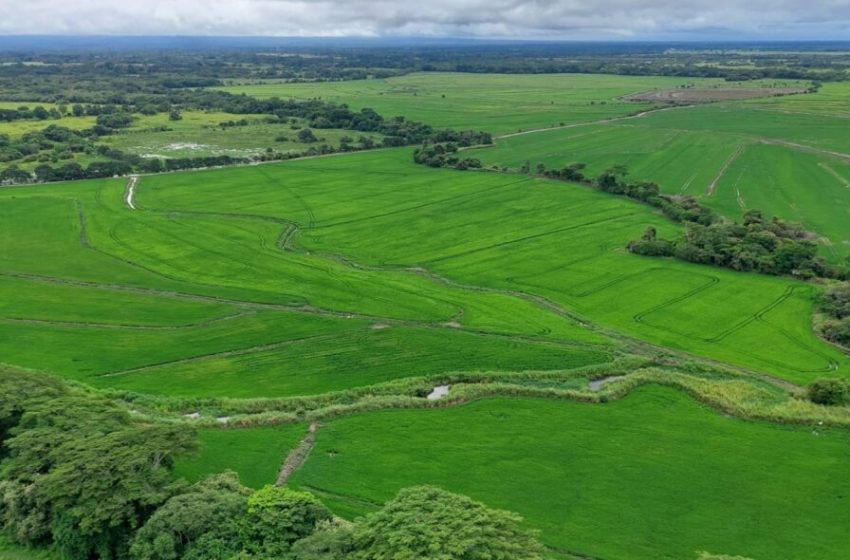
[(556, 19)]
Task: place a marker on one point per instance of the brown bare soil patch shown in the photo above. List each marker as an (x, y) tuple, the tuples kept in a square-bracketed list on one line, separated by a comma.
[(709, 95)]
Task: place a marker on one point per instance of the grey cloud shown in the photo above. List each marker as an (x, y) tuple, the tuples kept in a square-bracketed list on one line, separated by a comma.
[(491, 18)]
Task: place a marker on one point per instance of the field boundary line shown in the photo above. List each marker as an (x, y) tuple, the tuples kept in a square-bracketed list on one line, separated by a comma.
[(124, 326), (608, 120), (532, 236), (81, 216), (222, 354)]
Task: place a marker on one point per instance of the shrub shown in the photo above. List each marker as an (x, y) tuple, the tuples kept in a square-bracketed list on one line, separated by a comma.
[(830, 392), (427, 522), (277, 517)]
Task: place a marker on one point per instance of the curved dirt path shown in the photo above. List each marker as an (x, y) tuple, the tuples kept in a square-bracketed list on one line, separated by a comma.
[(130, 191)]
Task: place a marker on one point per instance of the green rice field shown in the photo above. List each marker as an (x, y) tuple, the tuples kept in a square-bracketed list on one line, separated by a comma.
[(380, 276)]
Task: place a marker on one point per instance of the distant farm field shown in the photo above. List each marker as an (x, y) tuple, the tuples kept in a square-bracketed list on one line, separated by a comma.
[(793, 165), (494, 102)]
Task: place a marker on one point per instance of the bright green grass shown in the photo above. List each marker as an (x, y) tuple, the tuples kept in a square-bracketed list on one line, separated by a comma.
[(494, 237), (255, 453), (92, 352), (564, 242), (18, 128), (24, 299), (824, 132), (493, 102), (9, 551), (352, 359), (653, 476), (197, 301)]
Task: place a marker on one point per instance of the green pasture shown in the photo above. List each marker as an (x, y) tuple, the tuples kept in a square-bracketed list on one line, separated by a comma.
[(255, 453), (199, 134), (652, 476), (818, 131), (185, 302), (334, 273), (19, 128)]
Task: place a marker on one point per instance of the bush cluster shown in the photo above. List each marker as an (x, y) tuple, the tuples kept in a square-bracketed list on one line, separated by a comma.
[(830, 392), (442, 149), (835, 305)]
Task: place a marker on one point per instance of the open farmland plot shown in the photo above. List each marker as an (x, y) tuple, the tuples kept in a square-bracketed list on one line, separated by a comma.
[(192, 301), (564, 242), (492, 102), (832, 99), (652, 476)]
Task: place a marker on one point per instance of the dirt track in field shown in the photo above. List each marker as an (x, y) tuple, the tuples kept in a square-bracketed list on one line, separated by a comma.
[(130, 191), (710, 95)]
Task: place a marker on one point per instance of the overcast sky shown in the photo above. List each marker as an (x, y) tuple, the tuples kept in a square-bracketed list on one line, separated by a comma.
[(561, 19)]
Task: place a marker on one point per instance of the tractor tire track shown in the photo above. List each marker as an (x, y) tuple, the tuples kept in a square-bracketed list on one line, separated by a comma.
[(122, 326), (709, 190), (221, 354), (531, 237), (835, 174), (712, 281)]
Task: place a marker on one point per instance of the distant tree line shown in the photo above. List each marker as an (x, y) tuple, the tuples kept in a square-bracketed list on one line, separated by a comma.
[(80, 476), (121, 77), (38, 113)]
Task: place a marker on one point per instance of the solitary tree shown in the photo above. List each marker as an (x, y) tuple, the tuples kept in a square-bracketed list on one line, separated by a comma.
[(306, 136)]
